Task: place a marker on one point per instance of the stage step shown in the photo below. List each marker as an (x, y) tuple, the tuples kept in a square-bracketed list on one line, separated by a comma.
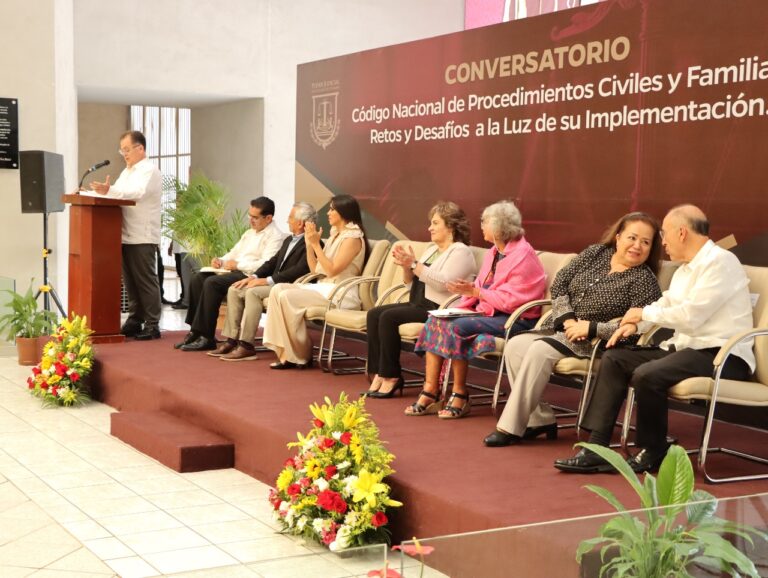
[(172, 441)]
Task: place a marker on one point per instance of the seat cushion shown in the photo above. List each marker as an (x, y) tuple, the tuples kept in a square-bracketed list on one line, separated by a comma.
[(350, 320), (573, 366), (315, 313), (410, 331), (735, 392)]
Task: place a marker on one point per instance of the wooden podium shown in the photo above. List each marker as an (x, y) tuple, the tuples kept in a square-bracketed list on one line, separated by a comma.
[(95, 257)]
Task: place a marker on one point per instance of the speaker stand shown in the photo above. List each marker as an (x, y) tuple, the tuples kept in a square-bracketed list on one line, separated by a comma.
[(47, 288)]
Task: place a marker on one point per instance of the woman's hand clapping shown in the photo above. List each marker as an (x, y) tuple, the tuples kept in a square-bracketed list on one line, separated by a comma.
[(312, 234)]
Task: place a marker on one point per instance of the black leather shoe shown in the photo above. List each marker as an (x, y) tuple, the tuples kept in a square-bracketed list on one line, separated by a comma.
[(202, 343), (179, 305), (188, 338), (500, 439), (646, 460), (130, 329), (148, 333), (584, 462), (533, 432)]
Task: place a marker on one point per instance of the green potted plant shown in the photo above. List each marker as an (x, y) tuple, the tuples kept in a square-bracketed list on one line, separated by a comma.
[(675, 535), (199, 218), (27, 323)]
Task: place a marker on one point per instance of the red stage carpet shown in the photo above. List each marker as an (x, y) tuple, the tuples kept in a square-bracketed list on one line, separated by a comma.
[(448, 481)]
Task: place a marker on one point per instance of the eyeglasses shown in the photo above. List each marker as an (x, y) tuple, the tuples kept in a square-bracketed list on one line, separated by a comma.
[(124, 152)]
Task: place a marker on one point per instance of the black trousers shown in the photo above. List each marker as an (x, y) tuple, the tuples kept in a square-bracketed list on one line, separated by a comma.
[(384, 338), (651, 371), (141, 287), (206, 292)]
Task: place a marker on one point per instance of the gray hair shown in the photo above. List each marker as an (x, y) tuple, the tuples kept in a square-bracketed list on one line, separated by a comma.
[(305, 212), (505, 221)]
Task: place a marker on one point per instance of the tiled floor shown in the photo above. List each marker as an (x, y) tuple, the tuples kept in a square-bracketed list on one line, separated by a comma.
[(75, 501)]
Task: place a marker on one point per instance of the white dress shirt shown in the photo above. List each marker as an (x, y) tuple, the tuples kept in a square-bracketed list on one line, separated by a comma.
[(254, 248), (141, 183), (706, 304)]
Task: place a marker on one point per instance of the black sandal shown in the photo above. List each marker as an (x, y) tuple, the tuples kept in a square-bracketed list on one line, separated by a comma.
[(417, 409), (456, 412)]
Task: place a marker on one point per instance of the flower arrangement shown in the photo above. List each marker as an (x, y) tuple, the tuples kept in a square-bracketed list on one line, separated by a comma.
[(332, 489), (67, 359)]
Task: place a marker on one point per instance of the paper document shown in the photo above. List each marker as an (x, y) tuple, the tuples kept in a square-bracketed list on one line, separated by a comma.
[(453, 312)]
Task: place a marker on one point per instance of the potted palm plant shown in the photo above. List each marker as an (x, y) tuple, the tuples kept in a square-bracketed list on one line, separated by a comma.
[(677, 535), (28, 324), (199, 220)]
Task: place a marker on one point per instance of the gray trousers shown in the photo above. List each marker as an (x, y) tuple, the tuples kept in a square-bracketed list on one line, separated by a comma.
[(141, 286), (529, 365), (244, 310)]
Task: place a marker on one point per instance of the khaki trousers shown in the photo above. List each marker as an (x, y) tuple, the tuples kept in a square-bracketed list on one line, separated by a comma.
[(244, 309), (529, 364)]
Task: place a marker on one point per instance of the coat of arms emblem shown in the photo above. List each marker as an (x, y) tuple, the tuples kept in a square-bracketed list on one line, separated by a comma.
[(325, 118)]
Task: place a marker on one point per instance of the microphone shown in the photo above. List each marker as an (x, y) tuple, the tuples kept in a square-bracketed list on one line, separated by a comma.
[(95, 167)]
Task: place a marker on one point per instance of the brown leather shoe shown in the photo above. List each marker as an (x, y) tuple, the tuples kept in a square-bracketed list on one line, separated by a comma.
[(240, 354), (223, 348)]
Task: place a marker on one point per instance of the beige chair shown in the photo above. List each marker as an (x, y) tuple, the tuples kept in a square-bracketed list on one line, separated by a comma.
[(715, 389), (373, 265), (388, 287)]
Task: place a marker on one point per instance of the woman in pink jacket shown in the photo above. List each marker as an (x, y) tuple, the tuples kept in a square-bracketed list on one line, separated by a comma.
[(510, 276)]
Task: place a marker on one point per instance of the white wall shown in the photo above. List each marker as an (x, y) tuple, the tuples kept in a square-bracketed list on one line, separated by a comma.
[(37, 44), (177, 52)]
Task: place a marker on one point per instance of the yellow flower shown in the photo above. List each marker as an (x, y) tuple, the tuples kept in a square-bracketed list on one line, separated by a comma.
[(84, 350), (351, 419), (356, 448), (367, 486), (54, 379), (45, 363), (68, 397), (314, 469), (323, 413), (85, 363), (284, 480)]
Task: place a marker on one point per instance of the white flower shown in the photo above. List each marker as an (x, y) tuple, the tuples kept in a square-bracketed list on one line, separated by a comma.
[(343, 535), (284, 506), (301, 523), (336, 435), (321, 484), (317, 525), (52, 352), (348, 488), (289, 517), (342, 466), (351, 518)]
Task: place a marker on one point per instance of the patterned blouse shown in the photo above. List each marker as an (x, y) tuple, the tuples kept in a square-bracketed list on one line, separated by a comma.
[(585, 289)]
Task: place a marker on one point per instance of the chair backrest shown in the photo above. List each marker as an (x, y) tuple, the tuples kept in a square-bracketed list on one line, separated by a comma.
[(479, 254), (373, 266), (666, 271), (552, 263), (758, 285)]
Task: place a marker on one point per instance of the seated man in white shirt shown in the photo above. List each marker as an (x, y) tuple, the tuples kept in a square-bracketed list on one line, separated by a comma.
[(206, 290), (707, 302), (245, 298), (140, 181)]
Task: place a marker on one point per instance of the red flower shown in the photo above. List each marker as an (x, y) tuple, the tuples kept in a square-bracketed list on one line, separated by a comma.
[(325, 443), (61, 369), (274, 499), (74, 377), (293, 490), (331, 501), (384, 573), (55, 391), (317, 423), (44, 385), (379, 519), (36, 370), (305, 482), (330, 471), (346, 437), (30, 383), (289, 463), (416, 549)]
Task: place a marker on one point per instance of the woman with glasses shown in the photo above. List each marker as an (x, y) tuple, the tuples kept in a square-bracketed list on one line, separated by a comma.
[(511, 275), (345, 252), (446, 259), (588, 295)]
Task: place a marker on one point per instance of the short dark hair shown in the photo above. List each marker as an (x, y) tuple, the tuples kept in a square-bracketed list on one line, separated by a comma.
[(654, 255), (265, 205), (455, 219), (137, 137)]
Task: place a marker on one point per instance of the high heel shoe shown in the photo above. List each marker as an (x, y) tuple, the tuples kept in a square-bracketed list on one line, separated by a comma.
[(417, 409), (533, 432), (452, 412), (373, 388), (399, 386)]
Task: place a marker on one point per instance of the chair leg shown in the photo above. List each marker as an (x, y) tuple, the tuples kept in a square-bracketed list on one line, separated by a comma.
[(322, 342), (497, 387), (329, 362), (628, 406)]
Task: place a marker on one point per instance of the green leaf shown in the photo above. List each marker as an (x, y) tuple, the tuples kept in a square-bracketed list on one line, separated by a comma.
[(701, 507), (620, 465), (608, 496), (715, 546), (675, 482)]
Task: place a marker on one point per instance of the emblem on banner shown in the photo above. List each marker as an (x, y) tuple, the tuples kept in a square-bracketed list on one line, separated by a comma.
[(325, 113)]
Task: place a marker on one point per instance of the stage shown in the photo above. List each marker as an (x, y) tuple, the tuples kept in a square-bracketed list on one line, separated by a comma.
[(448, 481)]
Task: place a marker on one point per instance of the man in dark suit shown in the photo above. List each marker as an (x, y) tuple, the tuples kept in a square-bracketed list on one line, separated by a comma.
[(245, 298)]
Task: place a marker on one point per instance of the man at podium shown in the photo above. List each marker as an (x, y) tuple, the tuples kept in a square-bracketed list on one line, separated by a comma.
[(141, 182)]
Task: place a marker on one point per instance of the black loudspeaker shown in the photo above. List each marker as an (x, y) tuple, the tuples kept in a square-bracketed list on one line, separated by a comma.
[(42, 181)]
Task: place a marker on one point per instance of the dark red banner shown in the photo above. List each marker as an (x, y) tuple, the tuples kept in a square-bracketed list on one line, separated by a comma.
[(579, 116)]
